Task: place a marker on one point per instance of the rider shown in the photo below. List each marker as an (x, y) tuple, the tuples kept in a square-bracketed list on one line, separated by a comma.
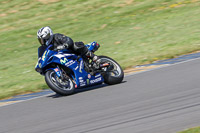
[(59, 41)]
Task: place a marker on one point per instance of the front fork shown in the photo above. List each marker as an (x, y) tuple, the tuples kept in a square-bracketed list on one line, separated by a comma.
[(58, 72)]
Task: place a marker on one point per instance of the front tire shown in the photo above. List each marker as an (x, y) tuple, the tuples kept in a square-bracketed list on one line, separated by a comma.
[(114, 73), (57, 85)]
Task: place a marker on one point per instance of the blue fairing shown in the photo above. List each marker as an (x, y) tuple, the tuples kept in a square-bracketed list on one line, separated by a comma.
[(67, 59)]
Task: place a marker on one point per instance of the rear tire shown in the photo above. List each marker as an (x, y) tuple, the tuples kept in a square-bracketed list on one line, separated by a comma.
[(52, 81), (114, 77)]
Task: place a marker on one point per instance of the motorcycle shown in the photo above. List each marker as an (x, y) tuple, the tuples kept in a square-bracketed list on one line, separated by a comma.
[(65, 71)]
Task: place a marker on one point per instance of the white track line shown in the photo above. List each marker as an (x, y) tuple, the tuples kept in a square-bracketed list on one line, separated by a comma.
[(167, 65)]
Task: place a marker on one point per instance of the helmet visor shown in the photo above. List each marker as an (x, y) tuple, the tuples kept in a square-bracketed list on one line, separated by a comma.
[(41, 41)]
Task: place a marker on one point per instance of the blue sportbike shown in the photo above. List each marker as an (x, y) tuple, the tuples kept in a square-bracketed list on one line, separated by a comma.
[(65, 71)]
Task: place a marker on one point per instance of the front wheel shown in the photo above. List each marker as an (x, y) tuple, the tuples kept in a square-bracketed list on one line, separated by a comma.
[(62, 87), (114, 73)]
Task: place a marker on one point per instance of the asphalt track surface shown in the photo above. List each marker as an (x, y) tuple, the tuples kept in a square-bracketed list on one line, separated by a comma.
[(163, 100)]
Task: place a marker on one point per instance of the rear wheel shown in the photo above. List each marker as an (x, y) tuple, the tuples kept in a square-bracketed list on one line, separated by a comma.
[(62, 87), (114, 73)]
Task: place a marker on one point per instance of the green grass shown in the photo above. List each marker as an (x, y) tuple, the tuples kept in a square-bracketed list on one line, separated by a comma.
[(133, 32), (192, 130)]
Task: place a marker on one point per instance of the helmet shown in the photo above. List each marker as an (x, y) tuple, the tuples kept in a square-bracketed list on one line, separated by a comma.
[(45, 35)]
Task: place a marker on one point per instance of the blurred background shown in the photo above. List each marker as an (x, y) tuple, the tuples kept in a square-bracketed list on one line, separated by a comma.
[(133, 32)]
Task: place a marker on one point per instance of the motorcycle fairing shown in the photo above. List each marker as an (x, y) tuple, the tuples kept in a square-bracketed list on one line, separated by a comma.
[(82, 78)]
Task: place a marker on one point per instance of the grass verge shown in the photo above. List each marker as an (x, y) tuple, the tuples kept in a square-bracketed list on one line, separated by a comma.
[(133, 32), (192, 130)]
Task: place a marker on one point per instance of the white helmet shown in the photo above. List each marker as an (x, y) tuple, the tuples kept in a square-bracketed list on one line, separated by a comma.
[(45, 35)]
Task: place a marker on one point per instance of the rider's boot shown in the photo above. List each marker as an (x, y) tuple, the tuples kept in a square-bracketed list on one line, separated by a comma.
[(94, 58)]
